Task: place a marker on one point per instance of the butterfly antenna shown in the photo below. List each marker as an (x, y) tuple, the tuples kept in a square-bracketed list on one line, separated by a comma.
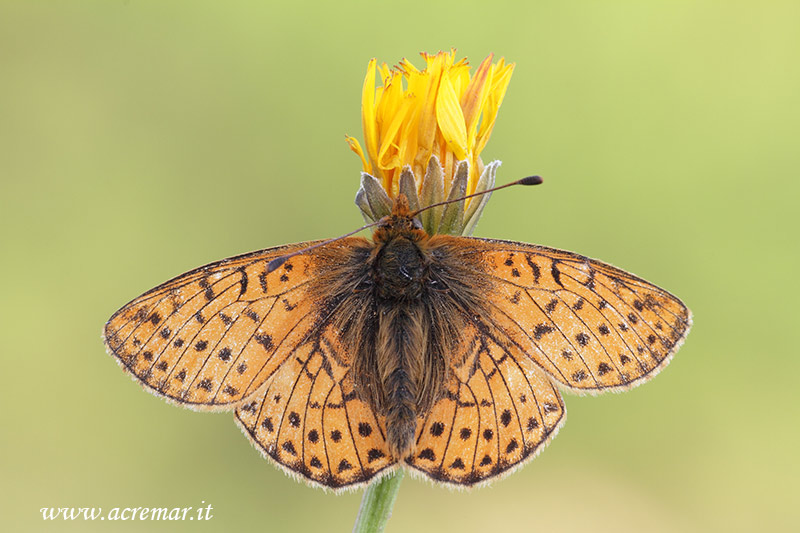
[(529, 180), (278, 261)]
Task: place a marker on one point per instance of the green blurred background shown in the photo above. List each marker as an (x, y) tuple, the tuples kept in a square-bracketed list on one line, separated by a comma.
[(141, 139)]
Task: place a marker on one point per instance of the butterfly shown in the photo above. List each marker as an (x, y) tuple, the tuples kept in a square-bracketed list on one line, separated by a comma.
[(347, 359)]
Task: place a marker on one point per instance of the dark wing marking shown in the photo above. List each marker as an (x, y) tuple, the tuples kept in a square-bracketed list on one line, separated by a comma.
[(499, 412), (589, 325), (309, 421), (211, 337)]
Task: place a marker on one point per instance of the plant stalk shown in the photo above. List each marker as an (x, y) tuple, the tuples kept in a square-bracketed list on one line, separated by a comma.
[(377, 503)]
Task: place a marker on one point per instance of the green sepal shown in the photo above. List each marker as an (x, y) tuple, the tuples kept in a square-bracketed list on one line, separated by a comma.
[(452, 220), (372, 199), (408, 187), (476, 205), (431, 192)]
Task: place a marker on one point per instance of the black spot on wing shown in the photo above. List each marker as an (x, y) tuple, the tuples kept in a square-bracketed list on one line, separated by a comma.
[(512, 445), (243, 280), (534, 269), (265, 341), (428, 454), (374, 454), (556, 274), (579, 376), (540, 330)]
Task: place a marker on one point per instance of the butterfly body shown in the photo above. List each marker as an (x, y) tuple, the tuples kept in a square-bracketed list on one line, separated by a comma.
[(408, 317), (345, 360)]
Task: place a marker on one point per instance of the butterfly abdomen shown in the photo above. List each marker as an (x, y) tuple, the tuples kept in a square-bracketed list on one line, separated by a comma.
[(418, 313), (401, 326), (400, 355)]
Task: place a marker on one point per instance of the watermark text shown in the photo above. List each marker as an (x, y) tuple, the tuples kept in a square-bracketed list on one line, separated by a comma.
[(128, 513)]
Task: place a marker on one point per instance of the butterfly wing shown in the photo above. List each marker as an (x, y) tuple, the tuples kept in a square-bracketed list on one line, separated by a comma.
[(589, 325), (309, 420), (500, 411), (549, 316), (211, 337)]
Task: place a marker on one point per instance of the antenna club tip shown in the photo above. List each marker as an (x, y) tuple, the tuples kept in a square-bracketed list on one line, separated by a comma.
[(531, 180), (276, 263)]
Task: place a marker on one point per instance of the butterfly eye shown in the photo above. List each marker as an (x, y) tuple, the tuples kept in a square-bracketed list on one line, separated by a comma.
[(416, 223)]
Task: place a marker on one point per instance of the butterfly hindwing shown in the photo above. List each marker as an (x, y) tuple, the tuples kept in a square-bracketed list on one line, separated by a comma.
[(310, 421), (589, 325), (499, 411)]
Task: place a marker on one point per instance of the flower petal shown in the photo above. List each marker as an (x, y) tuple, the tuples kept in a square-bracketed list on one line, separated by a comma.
[(356, 147), (368, 115), (423, 128), (451, 119)]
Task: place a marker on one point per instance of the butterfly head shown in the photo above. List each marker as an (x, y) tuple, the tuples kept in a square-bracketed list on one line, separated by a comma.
[(401, 223)]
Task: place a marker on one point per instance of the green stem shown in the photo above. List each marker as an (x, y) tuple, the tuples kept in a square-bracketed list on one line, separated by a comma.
[(377, 503)]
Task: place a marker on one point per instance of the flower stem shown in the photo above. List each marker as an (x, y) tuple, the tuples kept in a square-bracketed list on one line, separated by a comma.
[(377, 503)]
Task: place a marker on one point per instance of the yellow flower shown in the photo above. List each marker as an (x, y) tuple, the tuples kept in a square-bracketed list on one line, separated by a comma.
[(439, 111)]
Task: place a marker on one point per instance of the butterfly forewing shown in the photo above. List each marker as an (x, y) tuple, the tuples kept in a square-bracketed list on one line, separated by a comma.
[(589, 325), (211, 337)]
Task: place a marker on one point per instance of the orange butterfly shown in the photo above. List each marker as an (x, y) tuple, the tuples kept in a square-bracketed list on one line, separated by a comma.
[(346, 359)]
